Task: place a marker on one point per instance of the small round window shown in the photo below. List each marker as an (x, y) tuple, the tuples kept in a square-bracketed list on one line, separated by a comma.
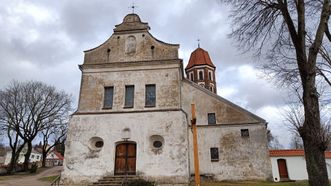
[(96, 143), (99, 144), (157, 144)]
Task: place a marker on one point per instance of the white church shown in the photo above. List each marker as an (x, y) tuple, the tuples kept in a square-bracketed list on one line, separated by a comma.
[(134, 116)]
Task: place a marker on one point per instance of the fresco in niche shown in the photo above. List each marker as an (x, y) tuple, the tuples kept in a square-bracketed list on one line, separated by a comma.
[(130, 45)]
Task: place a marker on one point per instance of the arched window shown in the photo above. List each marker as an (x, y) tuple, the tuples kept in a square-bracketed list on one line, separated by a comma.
[(191, 76), (211, 87), (201, 75), (209, 75)]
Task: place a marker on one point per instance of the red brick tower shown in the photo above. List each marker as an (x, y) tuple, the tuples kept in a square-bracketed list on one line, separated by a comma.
[(201, 70)]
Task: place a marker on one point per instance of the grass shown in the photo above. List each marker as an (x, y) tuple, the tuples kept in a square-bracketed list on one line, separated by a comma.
[(254, 183), (48, 178), (3, 178)]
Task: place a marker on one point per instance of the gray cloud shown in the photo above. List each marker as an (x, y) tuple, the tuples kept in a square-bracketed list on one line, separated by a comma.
[(45, 40)]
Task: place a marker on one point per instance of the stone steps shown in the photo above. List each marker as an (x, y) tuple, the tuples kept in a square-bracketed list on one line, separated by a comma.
[(114, 180)]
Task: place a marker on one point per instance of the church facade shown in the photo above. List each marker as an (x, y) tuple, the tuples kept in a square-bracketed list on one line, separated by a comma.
[(134, 115)]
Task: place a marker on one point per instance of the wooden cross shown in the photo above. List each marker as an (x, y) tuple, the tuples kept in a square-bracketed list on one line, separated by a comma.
[(195, 147)]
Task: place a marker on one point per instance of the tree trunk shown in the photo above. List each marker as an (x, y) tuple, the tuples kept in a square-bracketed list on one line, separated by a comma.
[(312, 134), (316, 167), (12, 162), (44, 159), (27, 156)]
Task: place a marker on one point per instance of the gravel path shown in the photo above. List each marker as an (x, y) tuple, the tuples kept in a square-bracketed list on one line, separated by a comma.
[(26, 180)]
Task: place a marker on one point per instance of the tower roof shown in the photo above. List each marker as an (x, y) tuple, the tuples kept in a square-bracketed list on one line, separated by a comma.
[(131, 22), (199, 57)]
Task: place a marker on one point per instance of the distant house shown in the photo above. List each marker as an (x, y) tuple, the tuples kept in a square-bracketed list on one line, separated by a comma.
[(291, 164), (54, 158), (35, 156)]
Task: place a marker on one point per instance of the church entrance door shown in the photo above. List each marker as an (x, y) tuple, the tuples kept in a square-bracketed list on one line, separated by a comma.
[(125, 158)]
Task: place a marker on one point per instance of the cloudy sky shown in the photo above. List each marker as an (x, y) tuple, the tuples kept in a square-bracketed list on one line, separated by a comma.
[(45, 40)]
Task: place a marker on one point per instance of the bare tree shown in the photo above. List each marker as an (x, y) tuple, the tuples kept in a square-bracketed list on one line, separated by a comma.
[(294, 120), (52, 135), (11, 114), (273, 142), (39, 105), (296, 142), (291, 30)]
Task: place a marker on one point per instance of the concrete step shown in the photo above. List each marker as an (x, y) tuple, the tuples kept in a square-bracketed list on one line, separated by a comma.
[(114, 180)]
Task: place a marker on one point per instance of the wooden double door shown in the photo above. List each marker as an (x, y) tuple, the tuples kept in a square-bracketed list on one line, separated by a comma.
[(125, 158)]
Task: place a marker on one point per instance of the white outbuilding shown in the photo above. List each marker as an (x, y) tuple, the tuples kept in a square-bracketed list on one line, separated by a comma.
[(291, 164)]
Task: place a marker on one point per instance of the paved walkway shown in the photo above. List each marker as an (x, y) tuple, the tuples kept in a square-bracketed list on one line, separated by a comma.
[(27, 180)]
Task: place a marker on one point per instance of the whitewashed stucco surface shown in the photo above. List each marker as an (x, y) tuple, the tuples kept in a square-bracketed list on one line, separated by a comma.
[(296, 167), (85, 165)]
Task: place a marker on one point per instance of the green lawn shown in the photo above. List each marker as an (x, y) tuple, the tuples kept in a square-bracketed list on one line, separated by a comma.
[(48, 178), (254, 183)]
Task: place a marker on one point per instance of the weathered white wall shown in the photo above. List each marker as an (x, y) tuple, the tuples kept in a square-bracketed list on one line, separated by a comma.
[(208, 102), (143, 50), (239, 158), (296, 167), (166, 77), (85, 165)]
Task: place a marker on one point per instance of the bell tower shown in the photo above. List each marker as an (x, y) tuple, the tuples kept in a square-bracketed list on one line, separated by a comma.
[(201, 70)]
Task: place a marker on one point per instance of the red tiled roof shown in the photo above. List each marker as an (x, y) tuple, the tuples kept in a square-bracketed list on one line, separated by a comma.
[(59, 155), (199, 57), (292, 152)]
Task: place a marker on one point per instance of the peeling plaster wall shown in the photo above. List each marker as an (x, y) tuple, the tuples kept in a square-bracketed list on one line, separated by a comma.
[(170, 165), (239, 158), (166, 77), (143, 51), (208, 102)]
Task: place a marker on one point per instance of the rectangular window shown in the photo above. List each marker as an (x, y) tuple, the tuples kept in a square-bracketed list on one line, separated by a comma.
[(108, 97), (129, 96), (150, 97), (211, 118), (244, 133), (214, 155)]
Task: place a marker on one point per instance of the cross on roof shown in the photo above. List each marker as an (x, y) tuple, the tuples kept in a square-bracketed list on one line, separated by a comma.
[(133, 7), (198, 42)]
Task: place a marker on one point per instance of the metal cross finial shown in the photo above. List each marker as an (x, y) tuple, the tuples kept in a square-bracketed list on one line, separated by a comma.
[(198, 43), (133, 7)]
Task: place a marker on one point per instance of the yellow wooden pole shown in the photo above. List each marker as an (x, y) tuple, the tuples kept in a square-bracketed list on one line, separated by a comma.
[(195, 147)]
